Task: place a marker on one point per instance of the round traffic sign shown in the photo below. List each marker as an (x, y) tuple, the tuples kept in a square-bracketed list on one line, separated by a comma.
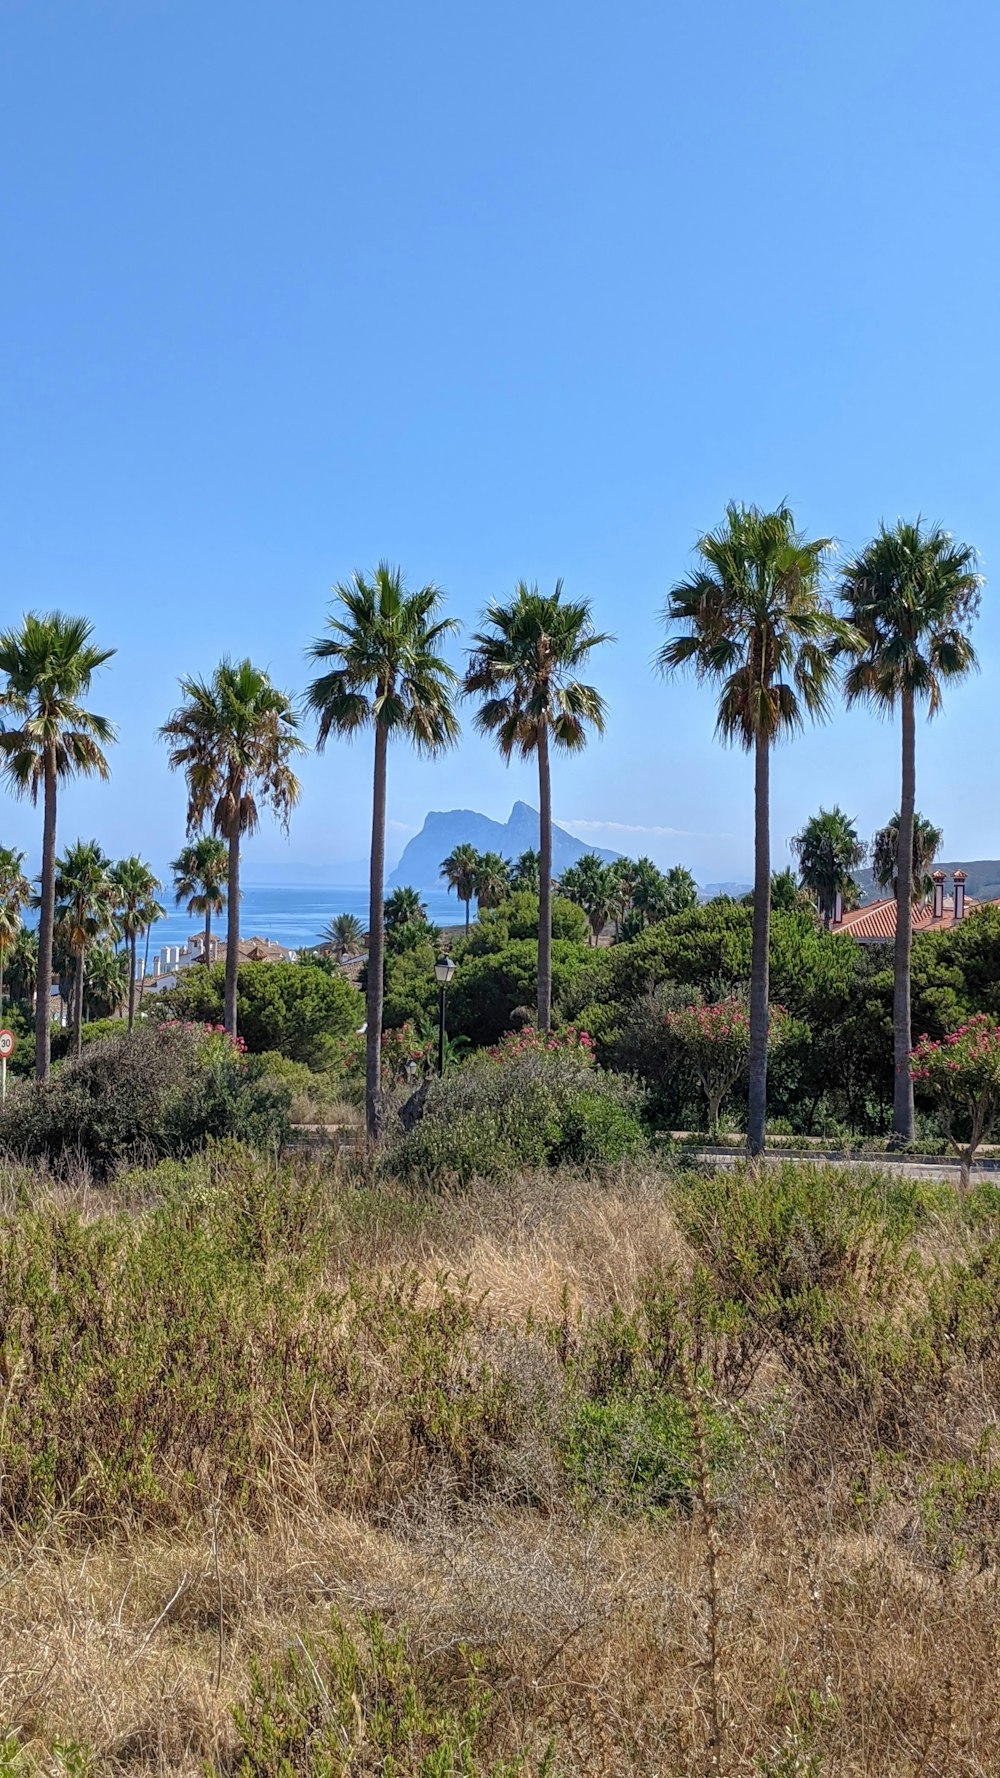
[(7, 1043)]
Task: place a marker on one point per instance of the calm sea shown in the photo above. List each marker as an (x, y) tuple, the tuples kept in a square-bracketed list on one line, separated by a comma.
[(295, 914)]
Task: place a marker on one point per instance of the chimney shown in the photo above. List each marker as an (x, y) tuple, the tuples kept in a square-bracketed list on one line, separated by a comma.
[(838, 908), (938, 880), (958, 878)]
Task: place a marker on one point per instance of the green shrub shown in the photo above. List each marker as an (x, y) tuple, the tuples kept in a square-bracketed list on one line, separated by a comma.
[(638, 1452), (517, 918), (361, 1701), (163, 1090), (296, 1008), (532, 1102), (486, 989)]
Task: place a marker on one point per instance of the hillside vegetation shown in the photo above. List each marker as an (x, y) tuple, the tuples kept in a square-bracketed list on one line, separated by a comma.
[(609, 1470)]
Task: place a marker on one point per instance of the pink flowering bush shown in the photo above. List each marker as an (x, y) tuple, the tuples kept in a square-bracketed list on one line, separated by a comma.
[(532, 1042), (717, 1041), (960, 1073)]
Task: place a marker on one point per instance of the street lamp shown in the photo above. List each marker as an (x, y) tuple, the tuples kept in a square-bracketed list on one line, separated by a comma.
[(444, 969)]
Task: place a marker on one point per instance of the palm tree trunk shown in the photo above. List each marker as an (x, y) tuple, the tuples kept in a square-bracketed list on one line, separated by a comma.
[(902, 1097), (759, 970), (233, 926), (46, 923), (78, 1005), (468, 904), (544, 883), (208, 937), (132, 947), (376, 944)]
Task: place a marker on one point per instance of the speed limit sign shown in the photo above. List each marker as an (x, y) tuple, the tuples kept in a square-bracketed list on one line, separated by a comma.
[(7, 1043)]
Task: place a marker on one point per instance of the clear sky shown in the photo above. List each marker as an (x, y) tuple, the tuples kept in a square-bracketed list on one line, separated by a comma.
[(521, 290)]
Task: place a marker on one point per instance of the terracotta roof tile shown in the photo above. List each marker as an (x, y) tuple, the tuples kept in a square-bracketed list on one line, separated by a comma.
[(875, 923)]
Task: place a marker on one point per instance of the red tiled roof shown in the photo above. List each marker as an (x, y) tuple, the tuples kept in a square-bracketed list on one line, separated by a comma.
[(876, 922)]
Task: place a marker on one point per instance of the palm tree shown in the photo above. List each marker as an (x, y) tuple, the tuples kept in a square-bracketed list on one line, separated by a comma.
[(623, 879), (524, 665), (48, 665), (492, 880), (87, 905), (590, 885), (23, 967), (750, 619), (459, 872), (911, 595), (345, 936), (927, 843), (388, 675), (234, 737), (404, 908), (138, 910), (15, 894), (106, 981), (200, 871), (526, 873), (829, 852)]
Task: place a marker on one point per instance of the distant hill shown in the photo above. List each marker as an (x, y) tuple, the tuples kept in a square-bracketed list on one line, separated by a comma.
[(983, 880), (420, 863)]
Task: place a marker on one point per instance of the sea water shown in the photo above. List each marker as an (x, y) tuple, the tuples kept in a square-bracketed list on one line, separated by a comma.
[(295, 914)]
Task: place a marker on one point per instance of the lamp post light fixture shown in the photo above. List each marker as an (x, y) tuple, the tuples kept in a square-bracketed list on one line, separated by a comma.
[(444, 969)]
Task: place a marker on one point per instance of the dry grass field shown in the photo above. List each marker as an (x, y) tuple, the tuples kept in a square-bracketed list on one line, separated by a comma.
[(638, 1473)]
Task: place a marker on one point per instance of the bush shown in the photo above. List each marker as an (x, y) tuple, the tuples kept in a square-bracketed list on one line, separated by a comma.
[(486, 989), (533, 1101), (364, 1694), (638, 1452), (517, 918), (296, 1008), (161, 1091)]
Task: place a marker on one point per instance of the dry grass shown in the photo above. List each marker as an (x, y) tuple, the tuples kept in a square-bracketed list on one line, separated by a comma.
[(842, 1644)]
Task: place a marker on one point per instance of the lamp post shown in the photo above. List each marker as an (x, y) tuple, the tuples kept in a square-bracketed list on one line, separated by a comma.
[(444, 969)]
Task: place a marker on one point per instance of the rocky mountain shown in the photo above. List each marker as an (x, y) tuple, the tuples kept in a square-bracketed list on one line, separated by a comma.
[(420, 863)]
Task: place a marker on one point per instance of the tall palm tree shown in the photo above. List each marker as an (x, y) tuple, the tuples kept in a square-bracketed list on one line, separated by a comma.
[(927, 843), (388, 675), (15, 894), (345, 936), (526, 873), (751, 620), (106, 981), (47, 667), (589, 883), (404, 908), (234, 738), (911, 596), (138, 910), (459, 872), (200, 871), (87, 906), (492, 880), (524, 665), (829, 852), (22, 967)]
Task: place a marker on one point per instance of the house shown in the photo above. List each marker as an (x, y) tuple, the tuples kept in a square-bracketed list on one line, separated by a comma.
[(875, 923)]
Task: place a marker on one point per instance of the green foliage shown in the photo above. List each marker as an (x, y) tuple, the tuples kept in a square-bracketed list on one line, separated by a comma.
[(359, 1695), (638, 1452), (536, 1102), (486, 989), (157, 1091), (961, 1076), (517, 918), (296, 1008)]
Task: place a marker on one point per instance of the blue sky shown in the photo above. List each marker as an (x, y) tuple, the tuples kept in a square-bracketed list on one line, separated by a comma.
[(527, 290)]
